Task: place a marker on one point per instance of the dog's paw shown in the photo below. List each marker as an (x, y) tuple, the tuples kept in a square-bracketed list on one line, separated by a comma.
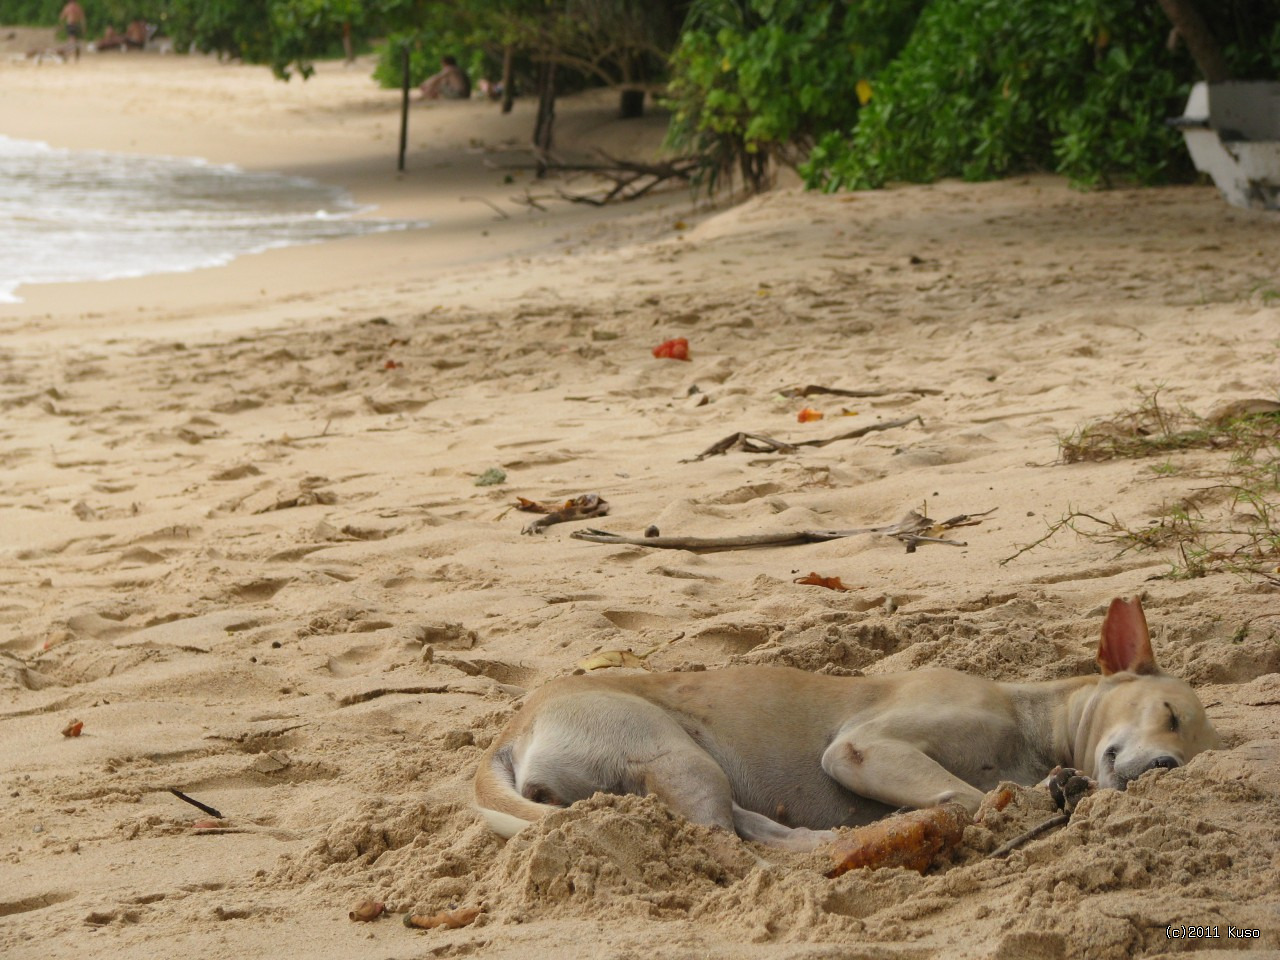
[(1067, 786)]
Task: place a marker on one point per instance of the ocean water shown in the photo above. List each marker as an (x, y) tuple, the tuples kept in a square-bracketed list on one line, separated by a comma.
[(74, 215)]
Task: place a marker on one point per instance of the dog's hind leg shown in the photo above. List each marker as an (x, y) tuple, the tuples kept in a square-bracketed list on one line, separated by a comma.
[(614, 743)]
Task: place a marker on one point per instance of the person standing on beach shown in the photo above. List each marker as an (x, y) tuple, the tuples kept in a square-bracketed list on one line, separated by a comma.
[(73, 16)]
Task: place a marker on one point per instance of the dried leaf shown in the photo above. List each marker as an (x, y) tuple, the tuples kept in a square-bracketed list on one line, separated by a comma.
[(808, 415), (610, 658), (817, 580), (579, 508), (911, 840)]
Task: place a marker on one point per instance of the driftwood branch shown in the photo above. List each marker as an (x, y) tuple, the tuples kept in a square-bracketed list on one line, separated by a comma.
[(911, 530), (813, 389), (632, 179), (863, 431), (502, 214), (758, 443), (1024, 838)]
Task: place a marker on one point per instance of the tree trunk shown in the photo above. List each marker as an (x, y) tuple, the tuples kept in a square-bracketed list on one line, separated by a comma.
[(404, 105), (546, 116), (508, 90), (1200, 43)]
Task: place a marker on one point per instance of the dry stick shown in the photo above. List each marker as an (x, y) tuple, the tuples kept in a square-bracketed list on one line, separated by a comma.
[(908, 530), (814, 388), (196, 803), (770, 445), (489, 203), (1005, 849), (862, 431), (750, 442), (714, 543), (1053, 530)]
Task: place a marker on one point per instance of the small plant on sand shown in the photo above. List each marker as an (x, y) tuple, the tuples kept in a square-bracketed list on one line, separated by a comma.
[(1232, 524)]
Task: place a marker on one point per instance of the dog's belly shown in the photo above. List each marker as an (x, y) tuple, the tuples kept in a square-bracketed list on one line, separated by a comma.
[(792, 789), (818, 803)]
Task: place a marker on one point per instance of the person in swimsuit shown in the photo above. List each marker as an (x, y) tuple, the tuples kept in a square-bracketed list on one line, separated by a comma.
[(72, 16)]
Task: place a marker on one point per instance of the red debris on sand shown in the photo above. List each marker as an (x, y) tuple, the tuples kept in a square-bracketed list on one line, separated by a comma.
[(677, 349), (816, 580)]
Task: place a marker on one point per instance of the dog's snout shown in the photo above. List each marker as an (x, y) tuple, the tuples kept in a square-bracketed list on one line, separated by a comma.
[(1163, 763)]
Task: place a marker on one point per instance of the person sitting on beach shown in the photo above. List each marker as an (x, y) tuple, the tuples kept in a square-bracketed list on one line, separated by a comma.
[(135, 35), (110, 39), (73, 16), (451, 82)]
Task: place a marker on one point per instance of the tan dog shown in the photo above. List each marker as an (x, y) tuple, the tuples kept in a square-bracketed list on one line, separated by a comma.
[(782, 756)]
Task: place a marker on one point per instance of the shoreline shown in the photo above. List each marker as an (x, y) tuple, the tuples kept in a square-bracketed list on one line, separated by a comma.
[(337, 129)]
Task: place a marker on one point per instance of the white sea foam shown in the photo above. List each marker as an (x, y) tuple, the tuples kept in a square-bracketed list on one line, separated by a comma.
[(74, 215)]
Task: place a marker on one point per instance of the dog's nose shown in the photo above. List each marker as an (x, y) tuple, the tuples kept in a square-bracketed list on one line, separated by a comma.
[(1163, 763)]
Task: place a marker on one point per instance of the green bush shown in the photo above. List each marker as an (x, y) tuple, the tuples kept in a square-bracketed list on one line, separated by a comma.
[(985, 88), (754, 81)]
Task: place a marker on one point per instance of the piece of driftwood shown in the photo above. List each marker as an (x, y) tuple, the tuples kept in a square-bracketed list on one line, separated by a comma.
[(910, 530), (448, 919), (750, 442), (579, 508), (758, 443), (632, 179), (204, 807), (814, 389), (910, 840)]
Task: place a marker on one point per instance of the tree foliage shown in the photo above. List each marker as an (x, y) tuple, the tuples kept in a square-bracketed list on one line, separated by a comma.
[(759, 81), (853, 92), (969, 88), (614, 42), (985, 88)]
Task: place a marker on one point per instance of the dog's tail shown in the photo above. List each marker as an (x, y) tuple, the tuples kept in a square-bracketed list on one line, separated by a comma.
[(503, 808)]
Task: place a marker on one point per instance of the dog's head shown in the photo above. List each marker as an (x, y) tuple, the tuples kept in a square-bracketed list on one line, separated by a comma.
[(1141, 719)]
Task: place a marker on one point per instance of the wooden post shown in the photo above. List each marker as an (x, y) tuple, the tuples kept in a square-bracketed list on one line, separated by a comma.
[(508, 88), (404, 104), (1200, 43)]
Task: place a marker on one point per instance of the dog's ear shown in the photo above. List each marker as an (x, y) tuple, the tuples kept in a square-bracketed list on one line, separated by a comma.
[(1126, 644)]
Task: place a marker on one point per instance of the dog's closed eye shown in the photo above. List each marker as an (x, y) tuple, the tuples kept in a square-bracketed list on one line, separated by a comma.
[(1173, 719)]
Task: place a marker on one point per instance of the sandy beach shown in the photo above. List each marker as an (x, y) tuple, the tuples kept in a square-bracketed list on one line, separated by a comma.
[(244, 544)]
